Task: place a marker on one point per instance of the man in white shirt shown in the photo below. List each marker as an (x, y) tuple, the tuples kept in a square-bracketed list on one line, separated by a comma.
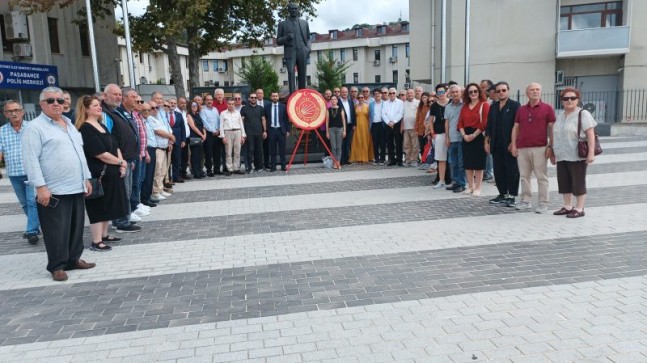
[(377, 127), (407, 127), (232, 133), (392, 113)]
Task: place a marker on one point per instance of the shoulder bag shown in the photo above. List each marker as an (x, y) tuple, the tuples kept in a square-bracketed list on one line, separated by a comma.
[(582, 142), (97, 187)]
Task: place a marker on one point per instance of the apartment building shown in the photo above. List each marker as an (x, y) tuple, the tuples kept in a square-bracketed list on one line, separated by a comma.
[(594, 45)]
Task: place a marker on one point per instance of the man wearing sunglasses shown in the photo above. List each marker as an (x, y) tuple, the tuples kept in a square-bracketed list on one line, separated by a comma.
[(392, 114), (531, 143), (56, 166), (11, 151), (497, 139)]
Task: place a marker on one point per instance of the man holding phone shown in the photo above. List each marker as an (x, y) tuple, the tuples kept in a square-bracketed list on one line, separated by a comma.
[(56, 166)]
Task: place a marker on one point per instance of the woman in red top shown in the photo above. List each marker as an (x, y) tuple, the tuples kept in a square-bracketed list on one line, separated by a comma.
[(471, 124)]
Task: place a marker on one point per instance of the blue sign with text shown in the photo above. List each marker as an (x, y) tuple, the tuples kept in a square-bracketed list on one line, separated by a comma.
[(27, 76)]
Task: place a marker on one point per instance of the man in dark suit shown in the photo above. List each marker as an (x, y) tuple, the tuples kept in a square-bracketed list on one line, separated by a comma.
[(176, 121), (293, 34), (260, 94), (498, 136), (276, 115), (349, 108)]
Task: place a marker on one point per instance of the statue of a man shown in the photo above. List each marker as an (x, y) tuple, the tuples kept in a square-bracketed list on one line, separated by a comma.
[(293, 34)]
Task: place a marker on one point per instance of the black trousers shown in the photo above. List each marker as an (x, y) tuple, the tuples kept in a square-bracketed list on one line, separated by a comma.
[(254, 152), (147, 185), (506, 172), (185, 159), (212, 147), (379, 146), (346, 143), (393, 140), (62, 228), (196, 160), (277, 145), (176, 162), (266, 152)]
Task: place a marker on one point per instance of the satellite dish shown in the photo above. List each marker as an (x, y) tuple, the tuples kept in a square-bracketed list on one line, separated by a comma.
[(590, 107)]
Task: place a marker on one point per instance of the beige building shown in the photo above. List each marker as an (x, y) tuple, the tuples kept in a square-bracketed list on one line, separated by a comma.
[(49, 39), (593, 45), (378, 54)]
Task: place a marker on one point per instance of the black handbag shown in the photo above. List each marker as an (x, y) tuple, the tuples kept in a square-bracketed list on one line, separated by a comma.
[(195, 141), (583, 144), (97, 187)]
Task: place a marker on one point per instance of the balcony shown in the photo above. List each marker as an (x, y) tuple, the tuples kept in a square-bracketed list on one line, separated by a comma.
[(593, 42)]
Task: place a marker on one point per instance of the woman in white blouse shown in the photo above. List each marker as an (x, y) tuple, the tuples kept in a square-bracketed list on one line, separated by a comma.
[(571, 169)]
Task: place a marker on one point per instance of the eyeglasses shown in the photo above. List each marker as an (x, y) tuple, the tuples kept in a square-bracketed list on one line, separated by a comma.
[(146, 110), (11, 112), (140, 102), (501, 90), (360, 97), (391, 93), (238, 98), (473, 92), (402, 94), (166, 106), (51, 101), (572, 98), (251, 98)]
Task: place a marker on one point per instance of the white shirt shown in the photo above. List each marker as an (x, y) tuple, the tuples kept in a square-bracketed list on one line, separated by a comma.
[(392, 111), (346, 109), (231, 121), (186, 124), (409, 114)]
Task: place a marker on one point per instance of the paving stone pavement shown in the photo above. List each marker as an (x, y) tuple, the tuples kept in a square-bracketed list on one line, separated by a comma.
[(439, 278)]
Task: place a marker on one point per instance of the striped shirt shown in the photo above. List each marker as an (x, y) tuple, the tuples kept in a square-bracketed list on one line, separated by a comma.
[(11, 149)]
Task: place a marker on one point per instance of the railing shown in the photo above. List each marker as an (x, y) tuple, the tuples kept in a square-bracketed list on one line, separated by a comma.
[(606, 106)]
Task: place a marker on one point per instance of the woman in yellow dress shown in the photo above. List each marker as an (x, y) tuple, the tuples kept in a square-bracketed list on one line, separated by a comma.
[(361, 148)]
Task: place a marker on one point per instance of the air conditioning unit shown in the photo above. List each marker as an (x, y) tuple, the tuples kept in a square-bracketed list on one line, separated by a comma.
[(22, 50), (407, 85), (221, 70), (15, 26), (393, 59), (376, 62), (596, 108), (283, 70), (559, 78)]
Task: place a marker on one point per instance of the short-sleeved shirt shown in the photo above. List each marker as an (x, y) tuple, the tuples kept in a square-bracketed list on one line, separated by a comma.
[(253, 119), (11, 149), (452, 111), (438, 111), (565, 134), (157, 124), (533, 124)]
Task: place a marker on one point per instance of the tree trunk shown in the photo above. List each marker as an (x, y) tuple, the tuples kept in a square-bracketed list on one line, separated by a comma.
[(174, 63), (194, 58)]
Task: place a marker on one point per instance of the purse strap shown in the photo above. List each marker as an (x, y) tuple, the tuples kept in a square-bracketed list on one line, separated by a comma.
[(105, 166), (579, 123)]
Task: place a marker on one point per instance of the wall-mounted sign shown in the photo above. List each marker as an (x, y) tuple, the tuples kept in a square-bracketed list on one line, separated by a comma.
[(27, 76)]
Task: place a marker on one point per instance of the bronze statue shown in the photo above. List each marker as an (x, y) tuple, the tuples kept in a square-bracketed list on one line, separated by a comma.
[(293, 34)]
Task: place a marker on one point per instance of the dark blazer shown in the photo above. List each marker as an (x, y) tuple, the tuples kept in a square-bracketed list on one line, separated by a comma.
[(179, 131), (351, 106), (283, 117), (300, 32), (125, 133), (501, 120)]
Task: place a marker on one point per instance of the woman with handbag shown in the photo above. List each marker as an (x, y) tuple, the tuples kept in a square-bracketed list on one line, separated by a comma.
[(572, 125), (108, 169), (196, 138), (471, 125)]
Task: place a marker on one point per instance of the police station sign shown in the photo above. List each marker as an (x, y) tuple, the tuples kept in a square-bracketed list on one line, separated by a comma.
[(27, 76)]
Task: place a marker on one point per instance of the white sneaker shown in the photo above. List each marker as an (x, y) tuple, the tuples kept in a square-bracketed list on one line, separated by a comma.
[(165, 194), (541, 209), (158, 196), (414, 164), (434, 166), (135, 218), (141, 212), (523, 206), (424, 166), (439, 185), (144, 207)]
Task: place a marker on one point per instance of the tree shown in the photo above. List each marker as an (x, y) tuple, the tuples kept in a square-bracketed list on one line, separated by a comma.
[(100, 8), (330, 73), (259, 73)]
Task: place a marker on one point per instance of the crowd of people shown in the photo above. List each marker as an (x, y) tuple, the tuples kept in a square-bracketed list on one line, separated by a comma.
[(136, 150)]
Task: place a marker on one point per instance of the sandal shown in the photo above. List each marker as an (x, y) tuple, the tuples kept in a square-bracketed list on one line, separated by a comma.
[(109, 238), (575, 214), (562, 211), (100, 247)]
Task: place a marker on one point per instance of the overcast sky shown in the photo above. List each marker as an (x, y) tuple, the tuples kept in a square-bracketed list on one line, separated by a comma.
[(331, 14)]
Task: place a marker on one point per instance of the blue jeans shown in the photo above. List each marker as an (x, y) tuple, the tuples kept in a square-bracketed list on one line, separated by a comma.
[(456, 161), (138, 178), (27, 198), (489, 166), (128, 180)]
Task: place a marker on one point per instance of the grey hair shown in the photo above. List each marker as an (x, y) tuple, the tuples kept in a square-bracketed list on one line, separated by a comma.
[(127, 90), (107, 88), (52, 89), (219, 90), (454, 86)]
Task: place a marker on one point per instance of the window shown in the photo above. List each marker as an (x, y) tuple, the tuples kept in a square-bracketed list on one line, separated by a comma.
[(355, 77), (285, 83), (309, 80), (355, 54), (242, 63), (226, 83), (216, 83), (223, 65), (600, 15), (405, 27), (215, 65), (141, 57), (331, 54), (85, 40), (378, 78), (381, 29), (333, 34), (319, 56), (6, 43), (52, 26), (342, 55), (407, 77), (395, 77), (406, 50), (359, 32), (377, 54), (394, 51), (312, 37), (205, 66)]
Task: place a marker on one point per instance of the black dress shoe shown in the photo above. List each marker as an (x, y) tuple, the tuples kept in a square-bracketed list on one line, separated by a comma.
[(210, 174), (452, 187), (178, 181), (459, 190), (149, 203), (239, 172), (228, 173), (391, 164), (283, 167), (187, 177), (218, 172)]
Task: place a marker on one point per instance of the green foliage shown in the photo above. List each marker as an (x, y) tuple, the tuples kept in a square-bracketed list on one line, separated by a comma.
[(330, 73), (259, 73)]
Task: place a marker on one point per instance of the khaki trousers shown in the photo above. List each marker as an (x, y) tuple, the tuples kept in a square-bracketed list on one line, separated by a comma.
[(411, 145), (161, 169), (533, 160), (233, 150)]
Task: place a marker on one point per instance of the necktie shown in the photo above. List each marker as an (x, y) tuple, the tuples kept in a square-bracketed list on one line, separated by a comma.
[(172, 122), (275, 122)]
